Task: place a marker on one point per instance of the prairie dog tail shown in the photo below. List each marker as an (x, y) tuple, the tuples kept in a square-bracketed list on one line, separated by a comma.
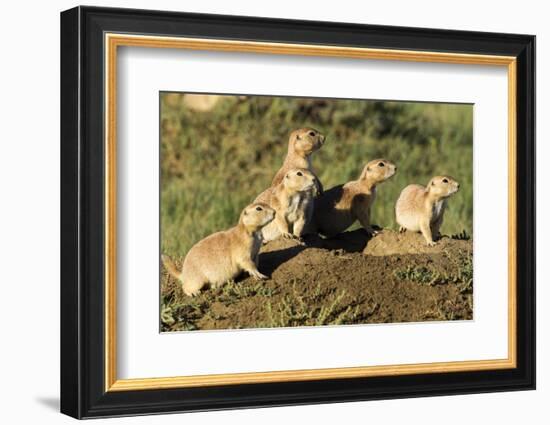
[(170, 266)]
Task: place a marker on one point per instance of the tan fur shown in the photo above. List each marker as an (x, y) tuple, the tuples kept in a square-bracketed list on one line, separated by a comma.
[(338, 208), (291, 199), (224, 255), (420, 209), (301, 144)]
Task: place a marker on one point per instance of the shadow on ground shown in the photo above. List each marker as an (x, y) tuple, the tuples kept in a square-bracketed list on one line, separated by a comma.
[(49, 402)]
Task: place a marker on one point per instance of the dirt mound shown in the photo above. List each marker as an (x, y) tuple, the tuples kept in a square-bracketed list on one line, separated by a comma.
[(349, 279), (393, 243)]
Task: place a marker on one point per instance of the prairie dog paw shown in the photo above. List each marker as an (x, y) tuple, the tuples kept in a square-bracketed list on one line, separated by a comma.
[(298, 239), (191, 293), (259, 276)]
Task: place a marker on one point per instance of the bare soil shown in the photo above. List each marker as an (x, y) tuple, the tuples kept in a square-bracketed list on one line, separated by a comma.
[(349, 279)]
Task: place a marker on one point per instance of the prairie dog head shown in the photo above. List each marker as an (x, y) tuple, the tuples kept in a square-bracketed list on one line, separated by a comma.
[(299, 180), (378, 170), (257, 215), (442, 186), (305, 141)]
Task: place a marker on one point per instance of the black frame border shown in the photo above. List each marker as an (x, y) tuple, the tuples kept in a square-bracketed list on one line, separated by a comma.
[(82, 212)]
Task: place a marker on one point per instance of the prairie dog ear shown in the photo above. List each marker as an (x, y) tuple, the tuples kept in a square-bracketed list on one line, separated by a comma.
[(364, 172), (298, 137), (247, 218)]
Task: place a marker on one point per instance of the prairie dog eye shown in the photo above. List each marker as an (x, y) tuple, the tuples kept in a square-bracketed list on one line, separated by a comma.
[(380, 164), (258, 208), (445, 181), (299, 173), (312, 133)]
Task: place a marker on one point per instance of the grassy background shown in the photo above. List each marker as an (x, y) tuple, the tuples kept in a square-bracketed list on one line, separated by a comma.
[(215, 163)]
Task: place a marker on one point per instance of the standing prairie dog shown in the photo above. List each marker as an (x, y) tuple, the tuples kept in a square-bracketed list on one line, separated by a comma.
[(224, 255), (291, 199), (420, 209), (338, 208), (301, 144)]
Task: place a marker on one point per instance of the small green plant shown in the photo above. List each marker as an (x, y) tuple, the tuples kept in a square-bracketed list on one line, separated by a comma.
[(325, 313), (302, 310), (449, 309), (354, 315), (232, 292), (166, 316), (418, 274), (462, 275)]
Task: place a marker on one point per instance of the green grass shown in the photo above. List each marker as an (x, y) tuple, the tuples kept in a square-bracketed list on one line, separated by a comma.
[(461, 273), (419, 274), (181, 313), (215, 163), (314, 309)]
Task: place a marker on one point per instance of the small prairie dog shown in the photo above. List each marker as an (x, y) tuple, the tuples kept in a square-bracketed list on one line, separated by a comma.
[(301, 144), (339, 207), (224, 255), (420, 209), (291, 199)]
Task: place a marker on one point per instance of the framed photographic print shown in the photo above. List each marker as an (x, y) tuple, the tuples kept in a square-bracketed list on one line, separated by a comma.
[(261, 212)]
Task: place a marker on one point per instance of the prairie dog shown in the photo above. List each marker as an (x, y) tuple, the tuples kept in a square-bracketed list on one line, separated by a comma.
[(420, 209), (224, 255), (339, 207), (301, 144), (291, 199)]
